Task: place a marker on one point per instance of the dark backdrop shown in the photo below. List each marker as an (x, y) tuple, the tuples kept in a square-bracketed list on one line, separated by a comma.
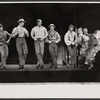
[(61, 14)]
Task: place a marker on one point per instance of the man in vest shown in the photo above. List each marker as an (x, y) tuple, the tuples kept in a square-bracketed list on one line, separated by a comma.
[(70, 38), (53, 38), (38, 34), (3, 46), (21, 44)]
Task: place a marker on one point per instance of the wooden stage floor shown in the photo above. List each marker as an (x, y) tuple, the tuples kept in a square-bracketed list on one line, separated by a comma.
[(62, 74), (31, 67)]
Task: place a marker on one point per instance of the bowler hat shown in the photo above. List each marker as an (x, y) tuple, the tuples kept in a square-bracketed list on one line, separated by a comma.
[(21, 20)]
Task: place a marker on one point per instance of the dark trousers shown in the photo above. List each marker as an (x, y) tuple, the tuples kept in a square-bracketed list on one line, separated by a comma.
[(53, 49), (72, 54), (22, 50), (39, 49)]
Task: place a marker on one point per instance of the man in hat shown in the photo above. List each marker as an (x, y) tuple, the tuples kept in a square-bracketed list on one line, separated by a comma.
[(53, 38), (21, 44), (3, 46), (38, 34), (70, 38)]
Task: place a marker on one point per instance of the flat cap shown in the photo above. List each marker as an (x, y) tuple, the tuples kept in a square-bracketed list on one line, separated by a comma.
[(71, 25), (21, 20), (38, 20), (52, 25)]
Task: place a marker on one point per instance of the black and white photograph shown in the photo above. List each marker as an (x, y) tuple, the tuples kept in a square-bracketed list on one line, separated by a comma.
[(49, 42)]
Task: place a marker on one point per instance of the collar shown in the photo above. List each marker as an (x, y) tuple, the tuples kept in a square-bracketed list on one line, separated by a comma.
[(51, 30), (20, 26), (40, 26)]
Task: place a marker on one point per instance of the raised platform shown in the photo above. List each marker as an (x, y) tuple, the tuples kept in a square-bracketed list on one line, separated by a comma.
[(62, 74)]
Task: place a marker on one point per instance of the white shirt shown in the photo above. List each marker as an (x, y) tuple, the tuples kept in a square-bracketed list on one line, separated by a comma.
[(82, 38), (54, 36), (39, 32), (21, 31), (70, 37)]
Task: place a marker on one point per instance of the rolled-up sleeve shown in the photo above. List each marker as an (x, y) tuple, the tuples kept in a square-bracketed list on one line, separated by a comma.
[(85, 38), (26, 31), (66, 40), (14, 32), (58, 37), (45, 33)]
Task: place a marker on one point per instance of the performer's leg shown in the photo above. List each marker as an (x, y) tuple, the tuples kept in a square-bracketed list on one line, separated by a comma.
[(56, 53), (41, 47), (19, 50), (37, 50), (3, 60), (51, 50), (74, 56), (70, 50), (6, 51), (25, 52)]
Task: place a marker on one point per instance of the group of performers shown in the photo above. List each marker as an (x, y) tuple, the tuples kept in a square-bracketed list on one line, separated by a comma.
[(83, 45), (78, 42)]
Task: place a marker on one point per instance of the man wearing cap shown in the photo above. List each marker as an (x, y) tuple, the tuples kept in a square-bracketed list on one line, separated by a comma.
[(70, 38), (53, 38), (38, 34), (3, 46), (21, 44)]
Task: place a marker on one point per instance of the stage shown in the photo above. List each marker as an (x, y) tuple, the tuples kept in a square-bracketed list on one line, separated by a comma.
[(32, 67), (11, 74)]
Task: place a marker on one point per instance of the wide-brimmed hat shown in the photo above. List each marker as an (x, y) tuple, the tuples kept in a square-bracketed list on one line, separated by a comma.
[(21, 20), (71, 25), (51, 25)]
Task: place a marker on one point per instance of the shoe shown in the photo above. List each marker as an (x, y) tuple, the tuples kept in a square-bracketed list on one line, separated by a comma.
[(54, 67), (41, 67), (75, 66), (91, 66), (68, 66), (2, 67), (37, 66), (21, 67), (51, 66)]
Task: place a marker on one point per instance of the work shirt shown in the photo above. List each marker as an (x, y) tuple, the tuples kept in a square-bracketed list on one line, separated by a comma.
[(3, 37), (70, 37), (81, 39), (39, 32), (20, 31), (92, 42), (53, 36)]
